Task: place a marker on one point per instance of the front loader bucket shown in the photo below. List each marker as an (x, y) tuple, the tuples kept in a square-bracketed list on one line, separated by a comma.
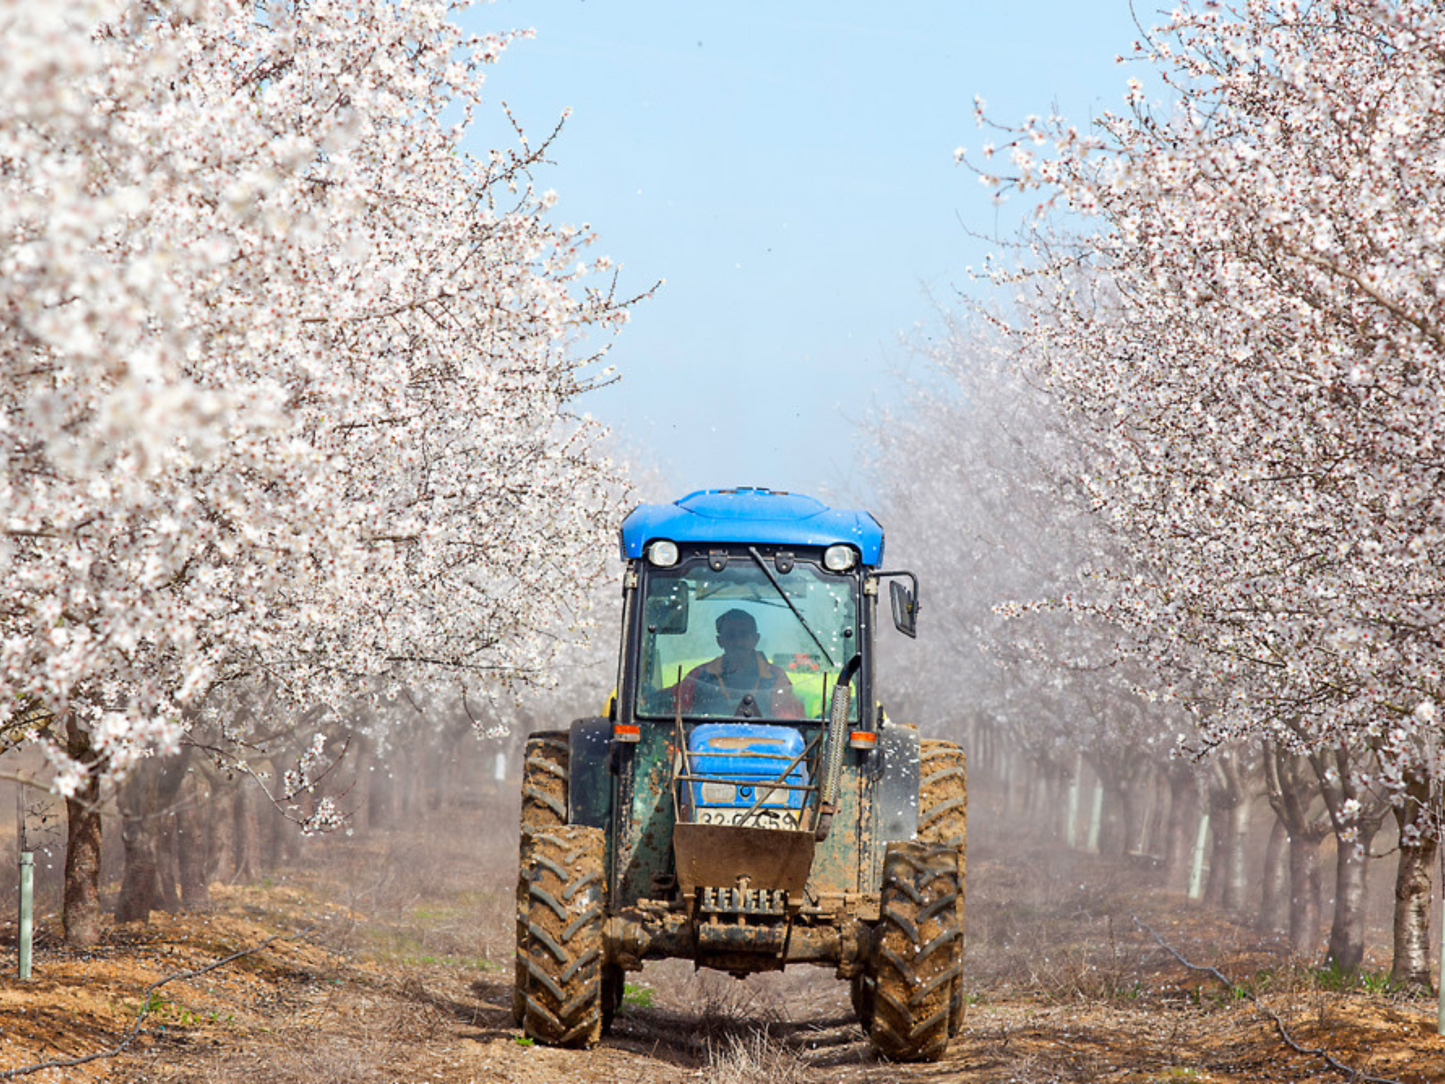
[(720, 855)]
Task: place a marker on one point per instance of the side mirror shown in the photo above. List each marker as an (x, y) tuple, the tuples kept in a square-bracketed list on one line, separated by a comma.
[(905, 607), (667, 613)]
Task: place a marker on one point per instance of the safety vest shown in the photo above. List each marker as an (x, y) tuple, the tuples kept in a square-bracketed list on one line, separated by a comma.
[(783, 702)]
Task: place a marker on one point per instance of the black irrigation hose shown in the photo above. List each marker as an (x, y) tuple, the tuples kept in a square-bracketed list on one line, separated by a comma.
[(119, 1048), (1325, 1056)]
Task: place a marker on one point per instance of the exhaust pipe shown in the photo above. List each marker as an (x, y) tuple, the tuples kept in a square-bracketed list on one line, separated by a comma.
[(833, 752)]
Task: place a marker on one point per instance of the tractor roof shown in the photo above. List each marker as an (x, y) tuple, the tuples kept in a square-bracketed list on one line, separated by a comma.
[(747, 514)]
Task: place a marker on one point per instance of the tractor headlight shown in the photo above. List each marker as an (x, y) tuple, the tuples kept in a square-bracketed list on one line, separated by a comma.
[(839, 558), (662, 553)]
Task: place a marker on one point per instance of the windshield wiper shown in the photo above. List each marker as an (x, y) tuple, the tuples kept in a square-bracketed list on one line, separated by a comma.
[(758, 557)]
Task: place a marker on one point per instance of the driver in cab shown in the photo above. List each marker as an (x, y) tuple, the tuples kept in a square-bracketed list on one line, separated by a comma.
[(718, 686)]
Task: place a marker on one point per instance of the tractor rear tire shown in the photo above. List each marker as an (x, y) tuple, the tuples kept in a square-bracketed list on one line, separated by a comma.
[(943, 793), (915, 958), (943, 818), (544, 779), (561, 952), (544, 804)]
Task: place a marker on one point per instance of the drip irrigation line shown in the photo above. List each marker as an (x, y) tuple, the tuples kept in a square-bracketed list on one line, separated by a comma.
[(145, 1009), (1289, 1040)]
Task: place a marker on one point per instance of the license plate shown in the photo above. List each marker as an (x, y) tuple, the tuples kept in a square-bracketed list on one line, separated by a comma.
[(736, 816)]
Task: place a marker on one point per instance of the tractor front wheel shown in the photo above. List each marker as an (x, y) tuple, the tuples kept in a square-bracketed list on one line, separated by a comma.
[(560, 952), (915, 963)]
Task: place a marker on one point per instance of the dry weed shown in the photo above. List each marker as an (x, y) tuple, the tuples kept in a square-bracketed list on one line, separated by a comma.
[(752, 1056), (321, 1059)]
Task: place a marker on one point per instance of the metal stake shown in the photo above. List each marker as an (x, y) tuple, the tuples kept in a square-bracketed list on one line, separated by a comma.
[(27, 910), (27, 885)]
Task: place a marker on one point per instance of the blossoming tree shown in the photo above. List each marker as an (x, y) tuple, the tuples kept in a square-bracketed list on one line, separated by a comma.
[(1255, 347), (284, 374), (1005, 542)]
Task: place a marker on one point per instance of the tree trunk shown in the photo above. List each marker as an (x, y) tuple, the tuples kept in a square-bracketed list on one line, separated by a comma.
[(1274, 900), (168, 862), (193, 844), (80, 908), (437, 766), (220, 831), (243, 835), (1229, 816), (146, 802), (1411, 965), (1154, 841), (1112, 837), (1346, 948), (1124, 778), (1134, 806), (1418, 843), (1236, 877), (1354, 831), (1218, 860), (1009, 801), (1304, 894), (140, 886), (1292, 788), (1069, 805), (281, 833), (381, 795), (364, 784), (1183, 816)]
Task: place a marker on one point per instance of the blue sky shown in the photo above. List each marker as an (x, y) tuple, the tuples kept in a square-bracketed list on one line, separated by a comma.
[(788, 169)]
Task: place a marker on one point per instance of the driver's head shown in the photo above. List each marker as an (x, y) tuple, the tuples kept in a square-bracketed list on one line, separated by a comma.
[(737, 632)]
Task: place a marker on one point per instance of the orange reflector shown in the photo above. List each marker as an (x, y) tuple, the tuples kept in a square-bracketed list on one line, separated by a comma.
[(626, 732), (863, 739)]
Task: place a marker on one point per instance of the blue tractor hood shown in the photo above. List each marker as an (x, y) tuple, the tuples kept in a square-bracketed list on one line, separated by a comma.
[(760, 516)]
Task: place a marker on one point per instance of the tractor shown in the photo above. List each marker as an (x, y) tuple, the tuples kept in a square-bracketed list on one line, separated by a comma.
[(745, 802)]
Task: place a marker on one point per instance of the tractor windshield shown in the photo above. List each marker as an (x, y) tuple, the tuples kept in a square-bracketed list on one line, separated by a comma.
[(745, 640)]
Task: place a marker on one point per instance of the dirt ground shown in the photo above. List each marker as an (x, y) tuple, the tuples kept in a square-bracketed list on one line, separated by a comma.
[(393, 966)]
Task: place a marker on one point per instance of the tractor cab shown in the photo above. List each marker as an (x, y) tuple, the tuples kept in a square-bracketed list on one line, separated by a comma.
[(748, 604)]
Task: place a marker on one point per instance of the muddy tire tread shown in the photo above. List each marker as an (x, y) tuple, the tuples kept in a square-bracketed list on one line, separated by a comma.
[(544, 779), (545, 763), (943, 818), (562, 949), (915, 965)]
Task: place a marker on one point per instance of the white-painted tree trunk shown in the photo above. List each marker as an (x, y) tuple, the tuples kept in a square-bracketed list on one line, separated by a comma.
[(1096, 818), (1196, 869), (1071, 813)]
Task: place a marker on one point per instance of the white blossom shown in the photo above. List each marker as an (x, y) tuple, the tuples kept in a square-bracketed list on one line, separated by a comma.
[(284, 373)]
